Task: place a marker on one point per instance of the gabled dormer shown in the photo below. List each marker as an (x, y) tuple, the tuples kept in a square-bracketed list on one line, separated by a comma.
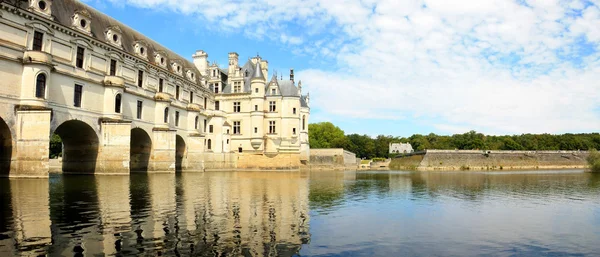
[(141, 48), (43, 7), (176, 67), (191, 75), (160, 58), (113, 35), (82, 21)]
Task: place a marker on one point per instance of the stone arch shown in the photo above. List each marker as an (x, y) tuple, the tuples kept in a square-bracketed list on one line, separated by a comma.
[(80, 146), (140, 150), (6, 148), (180, 152)]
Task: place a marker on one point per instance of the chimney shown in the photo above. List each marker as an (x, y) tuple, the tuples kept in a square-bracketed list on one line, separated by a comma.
[(201, 61), (292, 75), (233, 63)]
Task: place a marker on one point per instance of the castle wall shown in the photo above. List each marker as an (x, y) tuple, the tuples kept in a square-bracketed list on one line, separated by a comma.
[(332, 159), (492, 160)]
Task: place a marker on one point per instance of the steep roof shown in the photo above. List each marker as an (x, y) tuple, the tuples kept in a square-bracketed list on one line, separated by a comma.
[(63, 10)]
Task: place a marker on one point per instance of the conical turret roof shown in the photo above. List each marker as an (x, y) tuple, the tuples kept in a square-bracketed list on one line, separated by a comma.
[(257, 71)]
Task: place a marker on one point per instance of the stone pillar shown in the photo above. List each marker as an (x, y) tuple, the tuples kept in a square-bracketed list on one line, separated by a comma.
[(195, 156), (32, 143), (162, 158), (113, 152)]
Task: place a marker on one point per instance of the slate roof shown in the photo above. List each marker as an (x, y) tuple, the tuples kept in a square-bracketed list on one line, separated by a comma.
[(63, 10)]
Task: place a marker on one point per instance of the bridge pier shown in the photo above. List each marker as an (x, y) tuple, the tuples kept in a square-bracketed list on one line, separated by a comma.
[(32, 138), (195, 156), (113, 153), (162, 157)]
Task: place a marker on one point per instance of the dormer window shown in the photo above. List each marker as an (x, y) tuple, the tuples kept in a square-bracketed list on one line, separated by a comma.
[(113, 35), (81, 20), (191, 75), (160, 59), (43, 7), (141, 49), (176, 67)]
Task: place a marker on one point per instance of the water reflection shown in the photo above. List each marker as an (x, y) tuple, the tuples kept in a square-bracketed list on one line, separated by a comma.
[(291, 213)]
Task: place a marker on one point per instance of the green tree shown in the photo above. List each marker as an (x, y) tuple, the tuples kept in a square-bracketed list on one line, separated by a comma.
[(325, 135)]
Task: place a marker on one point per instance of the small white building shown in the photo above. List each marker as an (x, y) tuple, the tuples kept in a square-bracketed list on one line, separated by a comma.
[(398, 148)]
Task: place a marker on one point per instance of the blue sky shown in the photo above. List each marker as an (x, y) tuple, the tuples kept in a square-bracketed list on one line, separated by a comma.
[(400, 67)]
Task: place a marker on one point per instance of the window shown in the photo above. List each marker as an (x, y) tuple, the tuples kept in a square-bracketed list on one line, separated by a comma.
[(208, 145), (273, 91), (177, 119), (216, 86), (294, 110), (214, 73), (237, 87), (210, 128), (240, 149), (38, 41), (196, 121), (256, 107), (191, 97), (204, 126), (77, 96), (113, 68), (177, 88), (140, 78), (272, 106), (79, 57), (303, 122), (236, 128), (161, 82), (166, 115), (118, 103), (237, 107), (256, 90), (139, 109), (293, 131), (205, 104), (217, 105), (40, 86), (255, 130), (272, 127)]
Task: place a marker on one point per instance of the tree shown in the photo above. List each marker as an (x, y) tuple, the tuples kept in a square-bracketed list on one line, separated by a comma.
[(325, 135)]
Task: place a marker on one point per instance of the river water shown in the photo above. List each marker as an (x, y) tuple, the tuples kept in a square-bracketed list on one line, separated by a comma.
[(391, 213)]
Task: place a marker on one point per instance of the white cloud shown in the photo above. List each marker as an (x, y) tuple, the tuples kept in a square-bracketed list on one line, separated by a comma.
[(496, 66)]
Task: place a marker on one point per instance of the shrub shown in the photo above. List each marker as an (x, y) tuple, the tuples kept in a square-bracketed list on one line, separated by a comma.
[(594, 160)]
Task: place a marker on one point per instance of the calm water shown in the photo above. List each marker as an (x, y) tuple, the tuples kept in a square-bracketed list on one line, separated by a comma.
[(304, 214)]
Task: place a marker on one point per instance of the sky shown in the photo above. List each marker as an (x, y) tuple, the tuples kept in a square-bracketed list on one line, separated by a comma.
[(403, 67)]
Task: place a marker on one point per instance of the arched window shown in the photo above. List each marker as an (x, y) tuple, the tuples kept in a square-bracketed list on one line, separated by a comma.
[(166, 116), (40, 86), (208, 146), (196, 122), (304, 122), (118, 103)]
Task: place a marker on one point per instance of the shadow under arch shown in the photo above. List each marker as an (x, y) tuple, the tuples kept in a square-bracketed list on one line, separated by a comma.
[(80, 147), (140, 150), (179, 153), (5, 148)]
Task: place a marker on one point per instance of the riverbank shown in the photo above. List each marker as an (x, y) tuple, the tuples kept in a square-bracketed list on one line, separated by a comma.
[(491, 160)]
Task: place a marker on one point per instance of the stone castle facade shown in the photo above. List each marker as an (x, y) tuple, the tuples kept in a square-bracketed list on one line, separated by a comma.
[(121, 102)]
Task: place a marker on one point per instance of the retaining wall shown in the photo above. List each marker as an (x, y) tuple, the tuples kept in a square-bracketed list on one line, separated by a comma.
[(332, 159), (492, 160)]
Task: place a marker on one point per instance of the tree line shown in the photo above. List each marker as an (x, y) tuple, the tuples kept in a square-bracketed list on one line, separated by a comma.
[(327, 135)]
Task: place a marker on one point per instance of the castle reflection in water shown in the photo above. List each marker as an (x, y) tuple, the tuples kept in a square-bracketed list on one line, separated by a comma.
[(250, 214)]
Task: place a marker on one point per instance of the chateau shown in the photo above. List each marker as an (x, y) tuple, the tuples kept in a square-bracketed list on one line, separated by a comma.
[(121, 102)]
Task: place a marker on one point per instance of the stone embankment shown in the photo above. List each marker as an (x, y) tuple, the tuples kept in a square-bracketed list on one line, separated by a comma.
[(491, 160), (332, 159)]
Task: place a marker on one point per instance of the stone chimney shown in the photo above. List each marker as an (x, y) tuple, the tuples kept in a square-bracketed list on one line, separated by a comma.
[(233, 63), (201, 61)]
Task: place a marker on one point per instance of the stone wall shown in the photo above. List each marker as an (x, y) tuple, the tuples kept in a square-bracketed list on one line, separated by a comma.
[(493, 160), (335, 159), (284, 161)]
